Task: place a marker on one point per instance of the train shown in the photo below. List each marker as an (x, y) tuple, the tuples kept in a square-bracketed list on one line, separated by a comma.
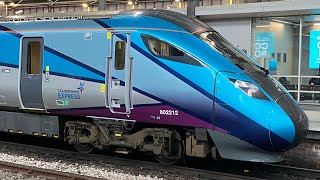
[(155, 81)]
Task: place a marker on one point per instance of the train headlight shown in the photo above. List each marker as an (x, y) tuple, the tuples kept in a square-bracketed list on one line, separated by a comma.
[(249, 88)]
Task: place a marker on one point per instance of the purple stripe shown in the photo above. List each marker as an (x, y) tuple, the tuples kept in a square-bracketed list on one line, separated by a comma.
[(146, 114)]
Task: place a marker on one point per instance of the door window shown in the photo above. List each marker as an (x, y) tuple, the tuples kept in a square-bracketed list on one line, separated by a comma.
[(120, 55), (33, 57)]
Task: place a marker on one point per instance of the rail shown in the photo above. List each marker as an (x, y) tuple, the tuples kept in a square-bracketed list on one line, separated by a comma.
[(311, 173), (43, 173)]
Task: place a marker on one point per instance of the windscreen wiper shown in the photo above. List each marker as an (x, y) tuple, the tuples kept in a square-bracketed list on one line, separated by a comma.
[(264, 70), (239, 66)]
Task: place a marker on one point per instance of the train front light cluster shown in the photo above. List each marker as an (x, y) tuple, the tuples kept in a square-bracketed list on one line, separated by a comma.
[(249, 88)]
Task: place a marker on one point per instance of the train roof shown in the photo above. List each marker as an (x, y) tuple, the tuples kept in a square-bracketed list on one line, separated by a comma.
[(189, 24)]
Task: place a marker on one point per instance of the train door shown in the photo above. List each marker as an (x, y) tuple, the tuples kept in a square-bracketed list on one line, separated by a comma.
[(31, 63), (118, 80)]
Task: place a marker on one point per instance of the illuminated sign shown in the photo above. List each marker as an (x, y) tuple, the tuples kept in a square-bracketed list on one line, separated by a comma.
[(273, 65), (314, 53), (264, 46)]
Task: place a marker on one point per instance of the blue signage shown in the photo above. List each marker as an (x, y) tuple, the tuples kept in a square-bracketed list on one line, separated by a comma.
[(314, 53), (273, 65), (264, 47)]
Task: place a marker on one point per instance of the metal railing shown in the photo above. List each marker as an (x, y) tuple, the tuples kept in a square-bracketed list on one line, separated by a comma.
[(301, 90)]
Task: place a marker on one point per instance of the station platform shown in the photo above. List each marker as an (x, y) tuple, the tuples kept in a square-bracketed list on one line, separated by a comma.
[(313, 113), (314, 125)]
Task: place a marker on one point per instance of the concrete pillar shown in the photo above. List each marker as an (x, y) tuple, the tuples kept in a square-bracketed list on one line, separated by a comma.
[(191, 8), (102, 5)]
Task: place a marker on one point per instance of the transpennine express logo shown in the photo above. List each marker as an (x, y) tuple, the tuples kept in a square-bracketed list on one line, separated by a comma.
[(81, 87), (71, 94)]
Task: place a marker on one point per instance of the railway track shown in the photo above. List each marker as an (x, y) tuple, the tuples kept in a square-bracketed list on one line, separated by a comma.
[(42, 173), (311, 173), (195, 172)]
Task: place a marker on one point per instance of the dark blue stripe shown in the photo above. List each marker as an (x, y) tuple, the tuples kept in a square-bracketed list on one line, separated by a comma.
[(9, 65), (14, 33), (63, 56), (102, 23), (161, 64)]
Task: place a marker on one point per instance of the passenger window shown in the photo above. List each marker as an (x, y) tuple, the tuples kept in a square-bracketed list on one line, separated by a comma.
[(120, 55), (167, 51), (163, 49), (33, 57)]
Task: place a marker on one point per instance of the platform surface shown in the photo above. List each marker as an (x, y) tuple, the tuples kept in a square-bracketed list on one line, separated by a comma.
[(313, 113)]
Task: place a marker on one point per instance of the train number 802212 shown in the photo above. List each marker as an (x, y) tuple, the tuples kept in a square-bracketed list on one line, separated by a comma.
[(169, 112)]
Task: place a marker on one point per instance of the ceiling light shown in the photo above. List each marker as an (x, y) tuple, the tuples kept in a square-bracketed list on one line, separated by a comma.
[(316, 24), (1, 3), (85, 5), (177, 0), (19, 12), (263, 26), (284, 22), (130, 2)]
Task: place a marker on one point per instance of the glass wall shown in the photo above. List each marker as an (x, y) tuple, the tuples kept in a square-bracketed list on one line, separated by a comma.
[(289, 47), (310, 60), (276, 48)]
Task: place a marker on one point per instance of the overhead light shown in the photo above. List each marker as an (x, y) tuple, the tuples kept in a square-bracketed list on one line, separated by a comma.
[(284, 22), (130, 2), (316, 24), (177, 0), (263, 26), (1, 3), (18, 12), (85, 5), (280, 21)]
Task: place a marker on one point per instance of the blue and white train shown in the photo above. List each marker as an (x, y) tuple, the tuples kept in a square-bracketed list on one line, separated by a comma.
[(147, 80)]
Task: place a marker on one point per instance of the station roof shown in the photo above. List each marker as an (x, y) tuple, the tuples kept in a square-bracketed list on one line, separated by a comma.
[(36, 3), (263, 9)]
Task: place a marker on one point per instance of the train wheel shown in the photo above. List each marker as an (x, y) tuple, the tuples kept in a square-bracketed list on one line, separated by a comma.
[(176, 155), (84, 148)]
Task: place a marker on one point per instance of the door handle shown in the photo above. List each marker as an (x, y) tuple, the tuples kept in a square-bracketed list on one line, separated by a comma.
[(107, 82)]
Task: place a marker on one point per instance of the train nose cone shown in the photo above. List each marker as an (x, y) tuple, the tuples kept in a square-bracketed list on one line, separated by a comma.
[(289, 124)]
